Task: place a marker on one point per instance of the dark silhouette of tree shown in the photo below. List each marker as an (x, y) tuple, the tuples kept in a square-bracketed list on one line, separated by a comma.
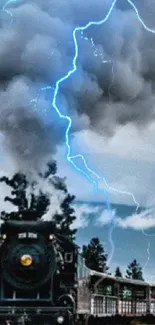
[(134, 271), (28, 208), (32, 205), (65, 220), (50, 170), (118, 272), (95, 257)]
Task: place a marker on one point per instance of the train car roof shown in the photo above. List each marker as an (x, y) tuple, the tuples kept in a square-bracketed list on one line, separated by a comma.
[(121, 280)]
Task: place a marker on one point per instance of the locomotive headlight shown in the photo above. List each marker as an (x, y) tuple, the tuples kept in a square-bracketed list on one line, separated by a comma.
[(51, 237), (60, 319), (4, 236), (26, 260)]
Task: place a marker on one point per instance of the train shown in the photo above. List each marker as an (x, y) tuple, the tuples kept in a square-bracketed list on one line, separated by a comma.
[(44, 281)]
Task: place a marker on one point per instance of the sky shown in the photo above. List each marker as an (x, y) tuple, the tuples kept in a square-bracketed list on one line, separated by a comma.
[(110, 99), (134, 233)]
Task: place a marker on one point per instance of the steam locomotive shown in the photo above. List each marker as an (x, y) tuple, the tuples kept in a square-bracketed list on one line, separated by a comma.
[(38, 274), (44, 281)]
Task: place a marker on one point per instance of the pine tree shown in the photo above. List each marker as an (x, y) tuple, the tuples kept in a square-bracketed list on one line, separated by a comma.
[(95, 257), (65, 220), (118, 272), (134, 271), (36, 204)]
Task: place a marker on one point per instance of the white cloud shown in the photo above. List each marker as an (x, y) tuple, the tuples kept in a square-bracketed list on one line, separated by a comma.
[(83, 214), (142, 221), (126, 161), (106, 217), (129, 142)]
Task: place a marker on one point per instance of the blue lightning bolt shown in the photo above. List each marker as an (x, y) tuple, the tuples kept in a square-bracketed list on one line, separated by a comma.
[(8, 11), (99, 53), (70, 158), (139, 18), (34, 101), (73, 70)]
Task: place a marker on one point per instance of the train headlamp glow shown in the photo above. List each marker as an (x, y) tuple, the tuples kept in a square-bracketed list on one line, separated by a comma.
[(60, 319), (4, 236), (26, 260), (51, 237)]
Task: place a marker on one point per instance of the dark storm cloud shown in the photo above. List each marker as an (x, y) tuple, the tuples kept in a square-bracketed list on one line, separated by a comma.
[(28, 138), (38, 49)]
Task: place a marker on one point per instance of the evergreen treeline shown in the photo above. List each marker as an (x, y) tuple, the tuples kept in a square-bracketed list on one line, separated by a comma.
[(96, 259)]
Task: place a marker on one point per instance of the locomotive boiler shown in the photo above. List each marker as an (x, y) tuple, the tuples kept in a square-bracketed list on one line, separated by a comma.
[(37, 274)]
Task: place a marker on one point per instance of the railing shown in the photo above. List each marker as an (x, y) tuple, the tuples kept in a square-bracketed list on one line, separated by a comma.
[(103, 305), (152, 307), (131, 307)]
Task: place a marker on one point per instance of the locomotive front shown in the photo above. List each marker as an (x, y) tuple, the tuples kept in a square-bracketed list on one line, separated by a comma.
[(32, 273), (28, 260)]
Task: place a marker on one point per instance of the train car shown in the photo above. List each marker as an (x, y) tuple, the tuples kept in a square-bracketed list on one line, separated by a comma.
[(38, 278), (102, 296)]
